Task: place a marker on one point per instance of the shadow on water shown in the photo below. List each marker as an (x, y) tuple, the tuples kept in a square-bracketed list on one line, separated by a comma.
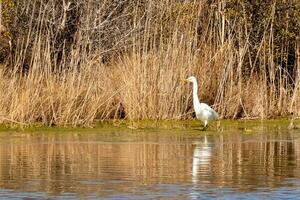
[(117, 163)]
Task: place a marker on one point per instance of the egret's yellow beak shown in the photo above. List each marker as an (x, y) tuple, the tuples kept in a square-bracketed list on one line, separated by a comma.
[(184, 81)]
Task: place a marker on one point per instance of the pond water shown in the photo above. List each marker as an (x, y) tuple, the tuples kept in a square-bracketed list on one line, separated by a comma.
[(260, 162)]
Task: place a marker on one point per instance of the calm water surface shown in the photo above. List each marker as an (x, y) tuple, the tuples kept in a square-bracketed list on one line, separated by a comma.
[(262, 162)]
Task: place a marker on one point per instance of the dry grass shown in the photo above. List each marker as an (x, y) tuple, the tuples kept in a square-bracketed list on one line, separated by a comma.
[(142, 80)]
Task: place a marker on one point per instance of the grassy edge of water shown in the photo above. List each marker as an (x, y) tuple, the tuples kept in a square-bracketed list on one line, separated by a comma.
[(247, 125)]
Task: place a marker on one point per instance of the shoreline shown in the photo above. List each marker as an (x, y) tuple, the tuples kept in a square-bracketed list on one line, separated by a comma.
[(156, 125)]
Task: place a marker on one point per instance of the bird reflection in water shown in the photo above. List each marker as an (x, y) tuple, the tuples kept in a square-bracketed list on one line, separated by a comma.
[(201, 162), (201, 158)]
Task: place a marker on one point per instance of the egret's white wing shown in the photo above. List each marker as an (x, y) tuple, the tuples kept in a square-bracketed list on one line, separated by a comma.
[(208, 111)]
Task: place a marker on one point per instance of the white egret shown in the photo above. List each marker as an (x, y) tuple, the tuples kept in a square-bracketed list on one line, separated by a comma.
[(203, 111)]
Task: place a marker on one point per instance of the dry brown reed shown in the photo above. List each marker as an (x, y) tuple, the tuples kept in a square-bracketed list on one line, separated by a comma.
[(142, 80)]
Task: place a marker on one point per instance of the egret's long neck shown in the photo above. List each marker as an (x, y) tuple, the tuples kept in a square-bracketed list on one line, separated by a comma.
[(196, 101)]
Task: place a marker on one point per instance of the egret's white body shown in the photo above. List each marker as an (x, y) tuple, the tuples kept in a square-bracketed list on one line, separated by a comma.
[(203, 111)]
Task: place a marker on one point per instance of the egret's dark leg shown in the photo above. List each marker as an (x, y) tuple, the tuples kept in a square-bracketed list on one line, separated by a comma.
[(205, 125)]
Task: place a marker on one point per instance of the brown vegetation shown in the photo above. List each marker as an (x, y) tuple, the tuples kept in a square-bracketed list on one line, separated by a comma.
[(71, 62)]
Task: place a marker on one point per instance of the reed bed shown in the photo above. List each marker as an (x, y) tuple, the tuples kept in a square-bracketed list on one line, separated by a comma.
[(89, 60)]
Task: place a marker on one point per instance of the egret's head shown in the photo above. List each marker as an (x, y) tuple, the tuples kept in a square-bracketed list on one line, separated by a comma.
[(191, 79)]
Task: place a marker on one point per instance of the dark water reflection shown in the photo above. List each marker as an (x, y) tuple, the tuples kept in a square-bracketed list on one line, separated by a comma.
[(118, 164)]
